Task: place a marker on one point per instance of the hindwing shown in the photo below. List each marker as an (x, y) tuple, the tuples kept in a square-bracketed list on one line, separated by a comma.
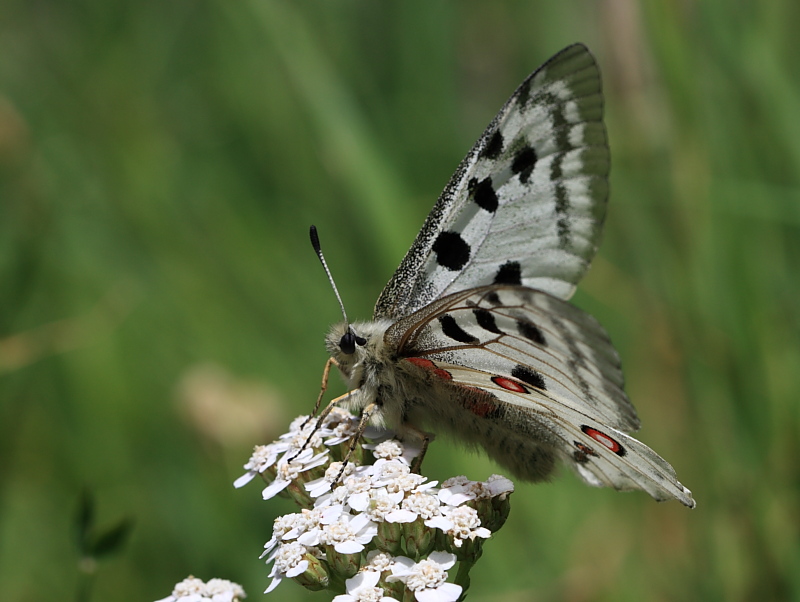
[(505, 330), (553, 374)]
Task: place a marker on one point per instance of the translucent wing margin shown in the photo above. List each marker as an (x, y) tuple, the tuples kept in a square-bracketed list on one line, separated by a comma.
[(527, 204)]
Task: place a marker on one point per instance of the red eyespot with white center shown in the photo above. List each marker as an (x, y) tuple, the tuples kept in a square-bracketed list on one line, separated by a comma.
[(608, 442), (509, 385), (429, 365)]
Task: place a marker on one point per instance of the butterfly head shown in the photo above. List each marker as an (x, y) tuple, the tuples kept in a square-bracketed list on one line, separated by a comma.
[(349, 340), (346, 347), (354, 345), (344, 344)]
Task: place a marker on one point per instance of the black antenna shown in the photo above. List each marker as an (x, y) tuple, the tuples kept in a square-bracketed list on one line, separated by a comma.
[(348, 342)]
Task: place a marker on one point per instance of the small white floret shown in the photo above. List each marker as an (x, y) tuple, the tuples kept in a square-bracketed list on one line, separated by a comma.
[(427, 578)]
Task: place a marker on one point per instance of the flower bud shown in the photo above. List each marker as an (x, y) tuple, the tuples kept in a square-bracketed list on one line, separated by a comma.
[(316, 576), (343, 566), (389, 537), (419, 538)]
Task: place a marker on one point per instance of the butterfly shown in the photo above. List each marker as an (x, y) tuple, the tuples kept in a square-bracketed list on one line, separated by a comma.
[(473, 335)]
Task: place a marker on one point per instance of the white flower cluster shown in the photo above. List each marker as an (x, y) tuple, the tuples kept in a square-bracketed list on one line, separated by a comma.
[(383, 530), (427, 579), (303, 448), (192, 589)]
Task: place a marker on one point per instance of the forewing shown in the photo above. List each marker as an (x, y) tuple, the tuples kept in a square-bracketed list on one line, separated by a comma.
[(554, 365), (526, 205)]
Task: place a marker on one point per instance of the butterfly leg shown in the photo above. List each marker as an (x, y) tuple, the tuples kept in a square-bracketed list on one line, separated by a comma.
[(323, 415), (425, 438), (324, 387), (366, 414)]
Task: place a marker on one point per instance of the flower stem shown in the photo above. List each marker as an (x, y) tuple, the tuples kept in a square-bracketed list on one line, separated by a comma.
[(462, 577)]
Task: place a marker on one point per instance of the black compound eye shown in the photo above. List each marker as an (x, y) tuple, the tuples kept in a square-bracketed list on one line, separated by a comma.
[(349, 341)]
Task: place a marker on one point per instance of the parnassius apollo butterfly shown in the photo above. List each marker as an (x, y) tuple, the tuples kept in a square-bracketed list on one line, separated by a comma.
[(473, 335)]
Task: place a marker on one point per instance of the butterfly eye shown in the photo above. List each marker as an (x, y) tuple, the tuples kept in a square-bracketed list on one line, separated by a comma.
[(349, 341)]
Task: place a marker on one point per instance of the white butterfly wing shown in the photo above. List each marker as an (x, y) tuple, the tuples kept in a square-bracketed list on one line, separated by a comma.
[(601, 455), (550, 365), (527, 204)]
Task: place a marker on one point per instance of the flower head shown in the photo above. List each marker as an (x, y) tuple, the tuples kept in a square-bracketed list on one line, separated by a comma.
[(193, 589), (350, 533), (460, 523), (362, 588), (427, 578), (375, 527), (295, 560)]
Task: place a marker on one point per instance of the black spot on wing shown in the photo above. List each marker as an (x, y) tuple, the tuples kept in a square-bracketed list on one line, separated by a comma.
[(493, 299), (509, 273), (493, 147), (483, 194), (581, 455), (523, 163), (531, 332), (556, 175), (576, 363), (486, 320), (451, 329), (452, 251), (528, 375), (564, 234), (562, 203)]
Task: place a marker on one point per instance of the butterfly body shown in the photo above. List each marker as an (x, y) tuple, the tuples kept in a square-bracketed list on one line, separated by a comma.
[(413, 396), (473, 335)]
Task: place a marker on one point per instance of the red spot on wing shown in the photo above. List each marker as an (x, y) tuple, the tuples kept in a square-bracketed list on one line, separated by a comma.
[(480, 408), (443, 374), (608, 442), (481, 405), (509, 385), (585, 449), (421, 362), (429, 365)]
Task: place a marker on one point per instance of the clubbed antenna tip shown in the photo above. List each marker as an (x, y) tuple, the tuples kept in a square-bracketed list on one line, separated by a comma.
[(318, 251)]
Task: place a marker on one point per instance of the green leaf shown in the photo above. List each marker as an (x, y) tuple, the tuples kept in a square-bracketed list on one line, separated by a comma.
[(113, 539)]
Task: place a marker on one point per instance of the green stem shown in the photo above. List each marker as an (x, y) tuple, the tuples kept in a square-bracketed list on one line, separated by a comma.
[(84, 590), (462, 577)]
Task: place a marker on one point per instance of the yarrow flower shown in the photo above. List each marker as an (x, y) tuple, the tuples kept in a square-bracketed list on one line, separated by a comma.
[(362, 588), (422, 504), (371, 529), (298, 455), (461, 523), (427, 578), (294, 560), (349, 534), (288, 470), (192, 589)]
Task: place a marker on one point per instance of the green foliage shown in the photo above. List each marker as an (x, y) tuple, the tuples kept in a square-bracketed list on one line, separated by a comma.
[(162, 311)]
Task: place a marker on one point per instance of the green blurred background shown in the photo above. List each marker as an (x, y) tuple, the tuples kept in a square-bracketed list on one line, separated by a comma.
[(161, 310)]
